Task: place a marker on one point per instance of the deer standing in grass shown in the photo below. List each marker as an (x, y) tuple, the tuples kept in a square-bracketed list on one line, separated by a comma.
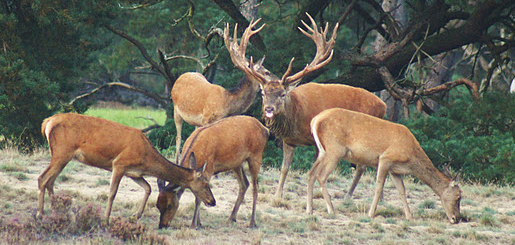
[(114, 147), (387, 146), (220, 147), (198, 102), (288, 109)]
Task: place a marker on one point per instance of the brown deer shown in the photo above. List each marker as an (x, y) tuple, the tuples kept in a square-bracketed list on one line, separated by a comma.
[(219, 147), (114, 147), (288, 109), (199, 102), (387, 146)]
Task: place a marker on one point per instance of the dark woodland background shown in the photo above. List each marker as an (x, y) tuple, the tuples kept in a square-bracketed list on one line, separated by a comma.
[(444, 66)]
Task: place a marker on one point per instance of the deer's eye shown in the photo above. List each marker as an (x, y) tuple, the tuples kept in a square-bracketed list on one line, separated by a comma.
[(283, 95)]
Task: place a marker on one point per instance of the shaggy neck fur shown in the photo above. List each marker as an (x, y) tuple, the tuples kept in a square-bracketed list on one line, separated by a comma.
[(284, 124)]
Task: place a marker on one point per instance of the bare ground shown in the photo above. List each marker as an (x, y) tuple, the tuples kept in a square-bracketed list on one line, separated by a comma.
[(489, 210)]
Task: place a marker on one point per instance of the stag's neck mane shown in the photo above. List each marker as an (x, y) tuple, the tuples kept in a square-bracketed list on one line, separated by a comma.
[(286, 124), (241, 97)]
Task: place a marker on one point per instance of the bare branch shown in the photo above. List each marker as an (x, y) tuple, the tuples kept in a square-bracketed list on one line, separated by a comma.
[(449, 85), (347, 12), (140, 46), (157, 98), (138, 6)]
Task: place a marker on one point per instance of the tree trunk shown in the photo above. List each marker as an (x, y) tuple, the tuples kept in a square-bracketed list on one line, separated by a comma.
[(248, 9), (400, 15), (441, 73)]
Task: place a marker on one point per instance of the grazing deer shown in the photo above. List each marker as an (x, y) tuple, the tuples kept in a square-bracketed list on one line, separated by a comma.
[(222, 146), (389, 147), (114, 147), (288, 109)]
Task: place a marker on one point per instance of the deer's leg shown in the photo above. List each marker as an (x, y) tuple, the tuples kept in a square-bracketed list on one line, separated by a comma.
[(360, 169), (287, 158), (244, 185), (397, 180), (116, 177), (47, 178), (178, 139), (195, 223), (382, 171), (326, 168), (254, 167), (311, 182), (144, 184)]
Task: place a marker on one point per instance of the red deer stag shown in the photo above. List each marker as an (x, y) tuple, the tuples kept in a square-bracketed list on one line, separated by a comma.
[(288, 109), (114, 147), (222, 146), (374, 142), (199, 102)]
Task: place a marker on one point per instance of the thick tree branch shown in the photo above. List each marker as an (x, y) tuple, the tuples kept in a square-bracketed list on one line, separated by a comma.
[(472, 87), (232, 10), (469, 32)]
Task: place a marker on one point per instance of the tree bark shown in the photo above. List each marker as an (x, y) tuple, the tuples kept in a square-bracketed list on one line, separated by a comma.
[(232, 10)]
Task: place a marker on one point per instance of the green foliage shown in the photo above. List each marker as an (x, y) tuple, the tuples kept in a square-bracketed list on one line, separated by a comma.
[(164, 137), (475, 138), (45, 46)]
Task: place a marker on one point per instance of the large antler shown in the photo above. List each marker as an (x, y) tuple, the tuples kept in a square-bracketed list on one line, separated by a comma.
[(324, 51), (237, 51)]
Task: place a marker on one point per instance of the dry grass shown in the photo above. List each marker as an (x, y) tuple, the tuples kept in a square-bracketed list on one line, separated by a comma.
[(489, 212)]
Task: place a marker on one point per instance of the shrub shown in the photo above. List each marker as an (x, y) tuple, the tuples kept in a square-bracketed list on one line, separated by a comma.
[(164, 137), (130, 231), (475, 138)]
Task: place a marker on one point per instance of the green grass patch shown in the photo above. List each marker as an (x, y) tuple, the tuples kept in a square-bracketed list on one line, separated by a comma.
[(139, 117)]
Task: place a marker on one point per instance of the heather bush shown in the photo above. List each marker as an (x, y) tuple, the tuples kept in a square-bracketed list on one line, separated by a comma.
[(67, 221)]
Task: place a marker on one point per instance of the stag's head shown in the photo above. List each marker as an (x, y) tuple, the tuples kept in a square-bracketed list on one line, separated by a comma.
[(451, 197), (276, 90)]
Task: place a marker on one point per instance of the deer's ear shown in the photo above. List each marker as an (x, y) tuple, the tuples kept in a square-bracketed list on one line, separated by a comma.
[(193, 161), (259, 63), (291, 86), (204, 167)]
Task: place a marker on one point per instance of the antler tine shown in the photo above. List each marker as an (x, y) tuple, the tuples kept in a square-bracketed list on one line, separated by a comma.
[(288, 71), (324, 50), (237, 50)]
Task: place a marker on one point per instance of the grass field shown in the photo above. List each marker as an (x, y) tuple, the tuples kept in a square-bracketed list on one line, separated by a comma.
[(133, 117), (76, 216)]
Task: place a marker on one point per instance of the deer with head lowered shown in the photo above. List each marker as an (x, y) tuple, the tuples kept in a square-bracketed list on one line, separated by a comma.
[(198, 102), (288, 109), (219, 147), (123, 150), (387, 146)]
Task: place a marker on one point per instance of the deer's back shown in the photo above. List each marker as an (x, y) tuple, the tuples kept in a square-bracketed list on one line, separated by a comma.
[(191, 93), (314, 98), (227, 142), (93, 141), (363, 138)]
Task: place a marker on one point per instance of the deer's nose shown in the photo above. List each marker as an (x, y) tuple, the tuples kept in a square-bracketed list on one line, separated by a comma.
[(269, 111)]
